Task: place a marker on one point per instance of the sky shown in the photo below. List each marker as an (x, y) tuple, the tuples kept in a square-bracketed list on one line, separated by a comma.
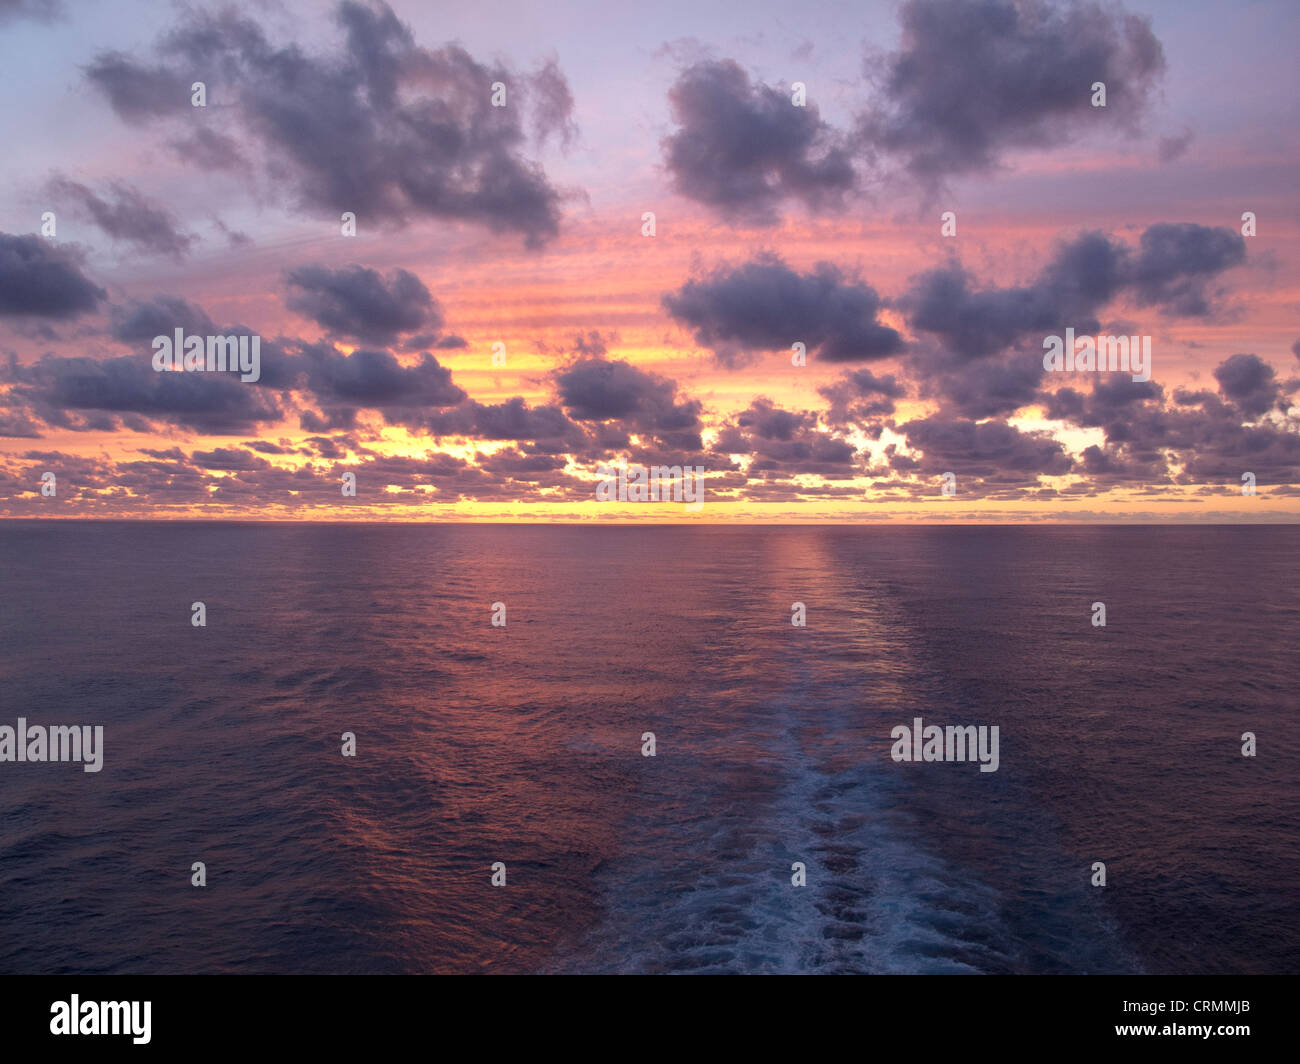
[(816, 252)]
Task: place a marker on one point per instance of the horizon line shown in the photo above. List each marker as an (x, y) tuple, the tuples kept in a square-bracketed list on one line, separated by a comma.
[(665, 524)]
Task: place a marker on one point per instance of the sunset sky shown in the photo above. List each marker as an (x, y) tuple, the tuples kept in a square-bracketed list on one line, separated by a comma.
[(774, 224)]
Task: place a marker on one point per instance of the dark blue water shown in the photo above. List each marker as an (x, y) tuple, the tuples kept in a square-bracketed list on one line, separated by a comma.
[(523, 745)]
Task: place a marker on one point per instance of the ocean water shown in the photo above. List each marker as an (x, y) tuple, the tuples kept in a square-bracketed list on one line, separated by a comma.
[(522, 744)]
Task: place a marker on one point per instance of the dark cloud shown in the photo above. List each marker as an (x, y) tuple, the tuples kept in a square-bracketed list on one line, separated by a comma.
[(1148, 439), (860, 396), (601, 390), (333, 387), (982, 388), (1217, 448), (977, 323), (1085, 273), (206, 149), (987, 361), (552, 105), (1176, 261), (784, 443), (233, 476), (17, 424), (986, 452), (373, 379), (138, 93), (515, 420), (142, 320), (1113, 399), (330, 421), (1172, 266), (229, 458), (42, 279), (971, 353), (603, 408), (97, 391), (38, 10), (35, 329), (384, 128), (974, 79), (266, 447), (592, 344), (545, 435), (519, 466), (1249, 382), (764, 305), (126, 215), (359, 302), (234, 238), (1109, 402), (1171, 148), (744, 148), (433, 342)]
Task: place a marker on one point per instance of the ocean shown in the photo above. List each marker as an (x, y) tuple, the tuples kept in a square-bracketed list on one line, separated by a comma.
[(523, 744)]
